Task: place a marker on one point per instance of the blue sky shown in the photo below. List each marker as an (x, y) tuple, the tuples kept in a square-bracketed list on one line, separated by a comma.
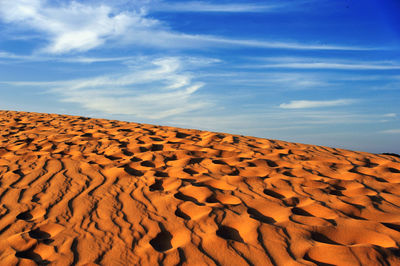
[(312, 71)]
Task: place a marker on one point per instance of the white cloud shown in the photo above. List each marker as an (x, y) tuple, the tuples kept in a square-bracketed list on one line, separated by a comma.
[(154, 90), (201, 6), (278, 80), (79, 27), (391, 131), (264, 122), (326, 63), (390, 115), (321, 65), (69, 59), (190, 61), (73, 26), (315, 104), (90, 60), (11, 56), (7, 55), (264, 44)]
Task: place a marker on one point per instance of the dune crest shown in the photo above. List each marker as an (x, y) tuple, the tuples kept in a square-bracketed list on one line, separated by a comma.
[(80, 191)]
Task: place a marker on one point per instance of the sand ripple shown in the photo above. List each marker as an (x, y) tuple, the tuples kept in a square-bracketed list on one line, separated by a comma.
[(79, 191)]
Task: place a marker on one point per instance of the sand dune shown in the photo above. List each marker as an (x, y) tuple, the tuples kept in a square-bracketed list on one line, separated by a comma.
[(79, 191)]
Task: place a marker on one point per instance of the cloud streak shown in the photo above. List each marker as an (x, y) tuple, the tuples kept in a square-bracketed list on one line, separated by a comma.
[(155, 90), (78, 27), (391, 131), (268, 44), (321, 65), (73, 26), (67, 59), (318, 63), (392, 115), (201, 6), (302, 104)]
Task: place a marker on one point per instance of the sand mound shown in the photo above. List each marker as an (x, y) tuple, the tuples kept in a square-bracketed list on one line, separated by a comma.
[(85, 191)]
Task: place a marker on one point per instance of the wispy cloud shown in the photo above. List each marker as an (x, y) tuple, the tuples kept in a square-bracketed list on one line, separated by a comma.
[(274, 122), (390, 115), (201, 6), (315, 104), (269, 44), (273, 80), (391, 131), (163, 38), (11, 56), (319, 63), (89, 60), (79, 27), (73, 26), (154, 90), (67, 59)]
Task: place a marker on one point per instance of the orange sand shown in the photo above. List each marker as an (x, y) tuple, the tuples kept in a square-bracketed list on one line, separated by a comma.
[(79, 191)]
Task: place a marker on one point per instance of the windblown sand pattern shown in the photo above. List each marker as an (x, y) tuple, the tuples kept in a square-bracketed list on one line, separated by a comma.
[(79, 191)]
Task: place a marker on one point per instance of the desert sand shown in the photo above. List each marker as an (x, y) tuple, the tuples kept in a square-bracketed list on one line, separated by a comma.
[(80, 191)]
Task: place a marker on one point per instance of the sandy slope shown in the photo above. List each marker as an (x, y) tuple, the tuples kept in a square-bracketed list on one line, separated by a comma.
[(89, 191)]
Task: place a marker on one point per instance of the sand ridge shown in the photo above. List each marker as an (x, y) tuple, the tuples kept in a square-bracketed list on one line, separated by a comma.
[(80, 191)]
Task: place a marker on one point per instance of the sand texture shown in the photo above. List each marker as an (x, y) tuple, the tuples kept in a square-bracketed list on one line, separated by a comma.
[(79, 191)]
